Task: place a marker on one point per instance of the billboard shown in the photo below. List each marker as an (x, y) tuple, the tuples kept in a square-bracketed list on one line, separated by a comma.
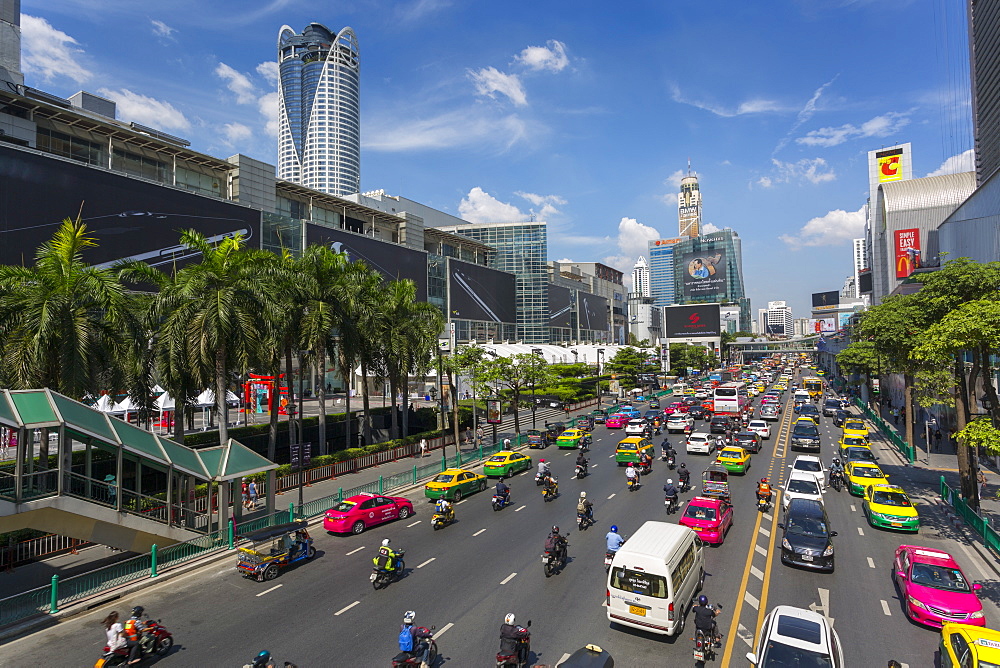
[(476, 292), (560, 306), (593, 312), (825, 300), (129, 218), (890, 165), (844, 320), (826, 325), (907, 246), (704, 274), (391, 260), (692, 321), (865, 282)]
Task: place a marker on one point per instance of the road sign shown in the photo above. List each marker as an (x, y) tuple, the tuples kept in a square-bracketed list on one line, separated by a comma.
[(297, 451)]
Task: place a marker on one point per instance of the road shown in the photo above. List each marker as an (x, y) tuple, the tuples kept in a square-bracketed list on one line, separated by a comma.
[(466, 577)]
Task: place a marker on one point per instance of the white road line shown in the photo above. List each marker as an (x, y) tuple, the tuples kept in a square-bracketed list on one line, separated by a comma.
[(752, 600), (756, 573), (355, 550), (885, 608), (517, 510), (594, 466), (610, 456), (461, 502), (567, 454), (871, 563), (853, 509), (269, 590), (760, 549), (508, 578), (974, 561), (343, 610), (611, 497), (764, 531), (440, 632), (412, 524), (562, 658), (745, 635), (426, 562), (767, 516), (479, 532), (861, 532)]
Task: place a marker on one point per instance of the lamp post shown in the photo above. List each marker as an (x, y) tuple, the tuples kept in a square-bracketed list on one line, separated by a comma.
[(600, 358), (534, 402)]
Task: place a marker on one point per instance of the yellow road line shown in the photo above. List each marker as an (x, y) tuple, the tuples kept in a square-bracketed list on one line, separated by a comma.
[(734, 624)]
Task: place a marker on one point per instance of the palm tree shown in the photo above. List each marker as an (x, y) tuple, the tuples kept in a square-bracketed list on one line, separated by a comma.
[(280, 335), (357, 340)]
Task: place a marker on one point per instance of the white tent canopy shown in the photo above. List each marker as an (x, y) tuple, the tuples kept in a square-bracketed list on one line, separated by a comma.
[(104, 404), (165, 402), (126, 405), (207, 398)]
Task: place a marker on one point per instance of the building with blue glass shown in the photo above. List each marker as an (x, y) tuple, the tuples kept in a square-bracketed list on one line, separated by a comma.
[(661, 271), (709, 269)]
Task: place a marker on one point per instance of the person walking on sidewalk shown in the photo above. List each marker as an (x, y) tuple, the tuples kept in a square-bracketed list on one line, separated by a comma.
[(981, 477), (937, 439), (252, 490), (423, 448)]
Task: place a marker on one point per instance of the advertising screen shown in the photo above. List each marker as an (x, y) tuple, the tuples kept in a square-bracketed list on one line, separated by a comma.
[(390, 260), (704, 274), (826, 325), (593, 312), (825, 300), (907, 245), (688, 321), (890, 165), (865, 282), (476, 292), (843, 320), (128, 218), (560, 306)]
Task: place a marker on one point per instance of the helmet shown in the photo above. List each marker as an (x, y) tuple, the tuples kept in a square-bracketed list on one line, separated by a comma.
[(670, 481), (137, 611), (541, 461), (630, 465), (385, 542), (702, 600), (682, 466), (583, 495), (509, 619), (262, 659), (408, 617), (836, 460), (763, 480), (555, 529), (614, 528)]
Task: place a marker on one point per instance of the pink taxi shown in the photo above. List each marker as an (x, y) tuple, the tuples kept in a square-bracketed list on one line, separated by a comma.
[(616, 421), (675, 407), (934, 588), (363, 511), (710, 518)]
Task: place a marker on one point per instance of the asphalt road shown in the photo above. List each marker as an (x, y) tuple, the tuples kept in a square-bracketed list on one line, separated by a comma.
[(466, 577)]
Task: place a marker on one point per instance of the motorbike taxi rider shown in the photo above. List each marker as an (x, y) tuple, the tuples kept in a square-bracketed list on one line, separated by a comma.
[(836, 469), (418, 638), (503, 491), (614, 539), (133, 632), (543, 467), (387, 559), (668, 450), (764, 490), (684, 475), (670, 493), (704, 620), (550, 484), (444, 507), (631, 475), (510, 634), (582, 461), (585, 507), (558, 542)]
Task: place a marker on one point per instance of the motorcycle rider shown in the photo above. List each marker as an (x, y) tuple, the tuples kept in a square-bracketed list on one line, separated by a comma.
[(262, 660), (543, 468), (510, 634), (444, 507), (704, 620), (670, 492), (550, 484), (503, 491), (555, 544), (582, 461), (764, 490), (585, 507), (684, 475), (631, 475), (836, 469), (387, 558), (645, 461), (668, 450), (614, 539), (133, 632), (418, 645)]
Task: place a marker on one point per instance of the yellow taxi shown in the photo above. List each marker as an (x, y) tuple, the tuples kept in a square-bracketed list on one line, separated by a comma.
[(761, 387), (861, 475), (690, 392), (630, 448), (781, 387), (853, 441), (888, 507), (570, 438), (453, 484), (506, 463), (855, 427), (965, 646), (807, 419), (734, 459)]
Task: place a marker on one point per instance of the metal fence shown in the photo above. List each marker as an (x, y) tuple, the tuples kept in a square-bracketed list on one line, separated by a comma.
[(979, 524), (907, 450)]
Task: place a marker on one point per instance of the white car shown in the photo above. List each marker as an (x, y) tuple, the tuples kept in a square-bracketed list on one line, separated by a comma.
[(811, 465), (700, 443), (679, 422), (793, 636), (701, 394), (801, 485), (762, 428), (636, 427)]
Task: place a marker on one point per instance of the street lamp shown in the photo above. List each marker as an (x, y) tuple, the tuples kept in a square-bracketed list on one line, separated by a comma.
[(600, 357), (534, 402)]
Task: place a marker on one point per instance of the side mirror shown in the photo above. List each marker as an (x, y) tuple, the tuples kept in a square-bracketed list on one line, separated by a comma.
[(900, 574), (976, 586), (781, 525), (528, 625), (752, 658), (832, 534)]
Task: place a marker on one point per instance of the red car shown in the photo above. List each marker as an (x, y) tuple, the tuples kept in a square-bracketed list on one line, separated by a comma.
[(361, 511), (709, 517), (675, 407)]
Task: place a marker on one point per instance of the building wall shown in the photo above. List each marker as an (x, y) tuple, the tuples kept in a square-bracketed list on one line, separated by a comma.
[(661, 271), (973, 230), (640, 278), (984, 48), (727, 241)]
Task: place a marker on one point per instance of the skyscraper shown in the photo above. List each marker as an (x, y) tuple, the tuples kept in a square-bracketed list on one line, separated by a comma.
[(10, 42), (860, 263), (319, 109), (640, 278), (776, 319), (709, 269), (689, 206), (661, 271)]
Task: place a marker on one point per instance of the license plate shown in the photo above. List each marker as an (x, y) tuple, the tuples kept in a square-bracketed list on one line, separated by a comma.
[(545, 560), (637, 610), (895, 524), (806, 557), (699, 655), (698, 528), (374, 575)]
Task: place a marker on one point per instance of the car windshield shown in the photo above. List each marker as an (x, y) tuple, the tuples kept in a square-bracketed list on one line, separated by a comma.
[(854, 440), (805, 429), (938, 577), (568, 434), (855, 425), (636, 582), (832, 403), (626, 446), (731, 454), (700, 513), (803, 487), (779, 654), (863, 454), (806, 465), (497, 458), (866, 472), (758, 424), (443, 478), (344, 506), (891, 499), (814, 527)]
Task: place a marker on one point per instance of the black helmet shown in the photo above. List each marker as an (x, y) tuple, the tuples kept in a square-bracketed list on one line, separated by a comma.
[(555, 529), (262, 659), (137, 611), (702, 600)]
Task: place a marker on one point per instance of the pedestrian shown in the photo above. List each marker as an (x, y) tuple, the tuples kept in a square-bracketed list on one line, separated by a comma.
[(981, 477), (109, 480), (423, 448), (506, 444), (468, 435), (895, 416), (252, 491), (937, 438), (245, 493)]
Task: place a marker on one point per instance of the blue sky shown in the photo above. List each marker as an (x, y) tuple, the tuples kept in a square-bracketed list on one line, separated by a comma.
[(584, 114)]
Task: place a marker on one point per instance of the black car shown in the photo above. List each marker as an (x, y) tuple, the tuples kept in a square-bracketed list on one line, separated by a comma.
[(839, 418), (748, 440), (720, 424), (831, 406), (809, 410), (697, 412), (654, 403), (806, 536), (805, 436), (652, 414)]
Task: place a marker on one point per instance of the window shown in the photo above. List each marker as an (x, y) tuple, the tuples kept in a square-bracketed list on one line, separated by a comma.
[(637, 582), (684, 567), (961, 649)]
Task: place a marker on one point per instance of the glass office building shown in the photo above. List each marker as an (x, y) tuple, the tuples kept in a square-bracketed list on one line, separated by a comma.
[(709, 269), (661, 271)]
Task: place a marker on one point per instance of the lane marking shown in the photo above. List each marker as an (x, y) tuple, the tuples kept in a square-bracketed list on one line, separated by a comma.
[(885, 608), (752, 600), (733, 633), (563, 658), (412, 524), (758, 548), (355, 550), (764, 531), (458, 503), (269, 590), (745, 635), (343, 610), (517, 510), (768, 517), (427, 562), (567, 454), (611, 497), (861, 532), (871, 563), (853, 509), (610, 456), (508, 578), (479, 532), (595, 466), (756, 572), (441, 631), (975, 561)]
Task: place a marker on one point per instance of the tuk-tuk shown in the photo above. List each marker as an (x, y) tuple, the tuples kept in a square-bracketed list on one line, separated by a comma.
[(552, 431), (536, 439), (585, 422), (274, 548), (589, 656), (715, 482)]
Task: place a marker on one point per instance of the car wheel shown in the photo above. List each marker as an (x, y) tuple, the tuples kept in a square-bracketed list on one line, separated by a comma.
[(358, 527), (458, 495), (404, 512), (271, 572), (482, 485)]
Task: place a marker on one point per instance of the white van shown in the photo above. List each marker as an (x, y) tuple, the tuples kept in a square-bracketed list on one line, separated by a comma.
[(678, 389), (654, 576)]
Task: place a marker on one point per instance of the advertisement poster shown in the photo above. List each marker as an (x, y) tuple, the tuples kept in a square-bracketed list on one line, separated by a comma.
[(493, 411), (704, 274), (890, 165), (844, 320), (476, 292), (692, 321), (593, 312), (907, 245), (560, 306), (826, 325), (825, 300)]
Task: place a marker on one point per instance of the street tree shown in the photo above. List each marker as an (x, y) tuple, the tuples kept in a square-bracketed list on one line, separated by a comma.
[(516, 375), (628, 363)]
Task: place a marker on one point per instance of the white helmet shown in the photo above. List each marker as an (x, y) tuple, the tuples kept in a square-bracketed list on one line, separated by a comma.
[(385, 542), (509, 619), (670, 481), (408, 617), (583, 495)]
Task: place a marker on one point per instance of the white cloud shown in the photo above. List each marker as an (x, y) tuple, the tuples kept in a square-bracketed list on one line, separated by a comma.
[(547, 203), (833, 229), (709, 228), (420, 9), (269, 70), (161, 29), (804, 114), (551, 57), (146, 110), (814, 170), (481, 207), (490, 80), (235, 133), (755, 106), (632, 242), (461, 128), (674, 183), (49, 53), (963, 162), (267, 105), (765, 182), (238, 83), (880, 126)]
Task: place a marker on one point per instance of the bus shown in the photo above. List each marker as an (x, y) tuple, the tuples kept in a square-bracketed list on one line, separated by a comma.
[(814, 386), (730, 399)]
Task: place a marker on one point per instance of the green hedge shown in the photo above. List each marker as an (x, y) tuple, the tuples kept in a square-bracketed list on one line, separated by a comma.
[(212, 437)]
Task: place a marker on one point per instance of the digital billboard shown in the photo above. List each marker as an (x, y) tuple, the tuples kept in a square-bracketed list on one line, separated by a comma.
[(128, 218), (890, 165), (907, 246), (593, 312), (826, 325), (688, 321), (704, 274), (844, 320), (391, 260), (825, 300), (476, 292), (865, 282), (560, 306)]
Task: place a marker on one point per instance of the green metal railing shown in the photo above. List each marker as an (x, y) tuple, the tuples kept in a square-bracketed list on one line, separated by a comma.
[(907, 450), (84, 585), (979, 524), (32, 602), (181, 552)]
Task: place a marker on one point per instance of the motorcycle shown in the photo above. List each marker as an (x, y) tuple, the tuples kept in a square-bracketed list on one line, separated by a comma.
[(763, 503), (380, 577), (671, 504), (500, 502), (441, 520), (553, 562), (704, 644), (413, 658), (632, 483), (539, 479), (585, 444), (154, 639), (583, 521), (552, 491), (581, 471), (644, 468), (608, 558), (836, 481), (519, 659), (671, 460), (684, 485)]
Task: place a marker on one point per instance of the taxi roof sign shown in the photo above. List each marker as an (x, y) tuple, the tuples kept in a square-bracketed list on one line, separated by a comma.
[(992, 644), (932, 553)]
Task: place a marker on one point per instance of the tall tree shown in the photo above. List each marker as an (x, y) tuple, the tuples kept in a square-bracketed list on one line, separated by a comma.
[(356, 326), (516, 375)]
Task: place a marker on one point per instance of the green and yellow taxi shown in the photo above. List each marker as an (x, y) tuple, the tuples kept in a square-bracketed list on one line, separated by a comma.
[(965, 646), (888, 507), (506, 463), (806, 419), (855, 427), (819, 372), (734, 459), (630, 448), (861, 475), (690, 392), (453, 484), (853, 441), (570, 438)]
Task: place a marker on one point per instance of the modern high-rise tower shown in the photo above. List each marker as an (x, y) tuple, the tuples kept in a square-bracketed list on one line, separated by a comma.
[(10, 42), (640, 278), (689, 206), (319, 109)]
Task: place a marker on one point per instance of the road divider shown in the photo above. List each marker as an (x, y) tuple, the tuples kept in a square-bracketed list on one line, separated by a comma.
[(345, 609)]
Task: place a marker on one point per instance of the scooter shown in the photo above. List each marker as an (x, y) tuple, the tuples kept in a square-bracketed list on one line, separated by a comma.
[(154, 639), (671, 503), (581, 471), (519, 659), (632, 483), (608, 558), (551, 562), (381, 577), (413, 658), (500, 502), (583, 521), (585, 444), (671, 461), (551, 491), (704, 644), (539, 479), (441, 520), (763, 503), (684, 485), (836, 481), (644, 469)]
